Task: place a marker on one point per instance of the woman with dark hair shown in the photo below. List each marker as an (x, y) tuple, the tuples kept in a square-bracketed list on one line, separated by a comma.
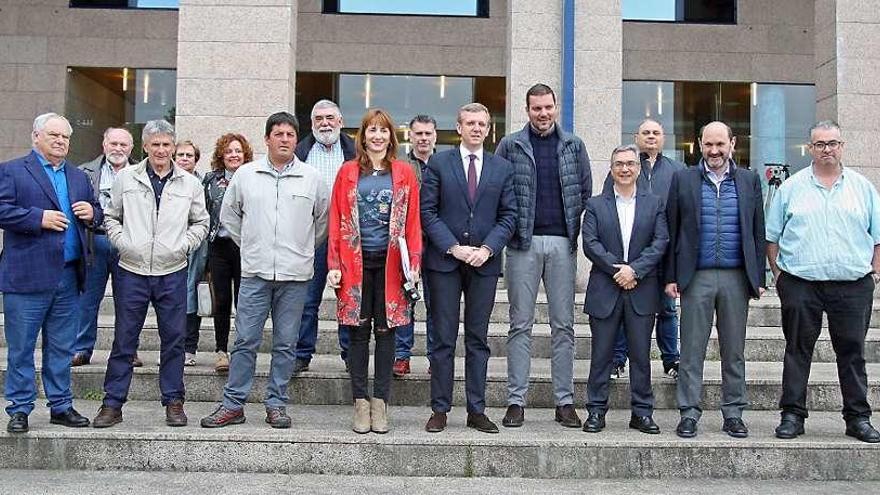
[(224, 258), (375, 203)]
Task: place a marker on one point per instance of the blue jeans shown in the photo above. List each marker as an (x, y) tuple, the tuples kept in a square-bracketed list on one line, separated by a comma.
[(667, 335), (405, 335), (105, 263), (167, 294), (256, 298), (308, 334), (54, 311)]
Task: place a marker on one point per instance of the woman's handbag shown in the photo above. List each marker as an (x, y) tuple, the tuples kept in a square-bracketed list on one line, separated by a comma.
[(205, 297)]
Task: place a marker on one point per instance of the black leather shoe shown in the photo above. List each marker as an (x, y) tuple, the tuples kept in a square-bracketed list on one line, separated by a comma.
[(18, 423), (69, 418), (481, 422), (644, 424), (301, 365), (515, 416), (790, 426), (735, 428), (567, 416), (436, 423), (595, 423), (687, 428), (861, 430)]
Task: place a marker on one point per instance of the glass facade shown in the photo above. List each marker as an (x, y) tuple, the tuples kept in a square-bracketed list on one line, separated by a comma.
[(126, 4), (771, 121), (455, 8), (102, 97), (698, 11), (403, 96)]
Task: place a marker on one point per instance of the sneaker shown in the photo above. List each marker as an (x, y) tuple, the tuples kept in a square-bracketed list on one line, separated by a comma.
[(223, 417), (618, 371), (300, 365), (401, 367), (221, 365), (671, 370), (277, 417), (189, 359)]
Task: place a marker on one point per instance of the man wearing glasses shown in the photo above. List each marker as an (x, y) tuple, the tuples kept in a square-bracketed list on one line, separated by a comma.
[(823, 245)]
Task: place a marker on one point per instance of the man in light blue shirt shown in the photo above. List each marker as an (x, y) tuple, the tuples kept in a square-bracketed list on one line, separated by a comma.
[(823, 240)]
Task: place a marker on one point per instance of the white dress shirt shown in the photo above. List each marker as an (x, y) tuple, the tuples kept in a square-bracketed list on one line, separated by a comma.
[(626, 215), (478, 163)]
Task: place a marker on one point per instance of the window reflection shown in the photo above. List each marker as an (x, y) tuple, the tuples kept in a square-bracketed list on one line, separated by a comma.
[(127, 4), (98, 98), (462, 8), (404, 96), (704, 11)]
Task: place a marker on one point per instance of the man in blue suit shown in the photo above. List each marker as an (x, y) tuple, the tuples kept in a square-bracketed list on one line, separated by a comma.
[(625, 236), (715, 262), (468, 214), (45, 207)]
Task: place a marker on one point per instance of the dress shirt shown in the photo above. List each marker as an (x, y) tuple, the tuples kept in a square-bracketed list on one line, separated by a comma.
[(327, 162), (626, 216), (825, 233), (108, 175), (478, 163), (718, 178), (58, 177), (158, 182)]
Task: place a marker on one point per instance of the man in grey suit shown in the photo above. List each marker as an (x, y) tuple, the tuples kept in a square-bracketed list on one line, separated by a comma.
[(715, 262), (625, 236)]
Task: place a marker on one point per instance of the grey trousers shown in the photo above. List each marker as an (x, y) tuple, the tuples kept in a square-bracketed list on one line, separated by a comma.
[(722, 294), (549, 259)]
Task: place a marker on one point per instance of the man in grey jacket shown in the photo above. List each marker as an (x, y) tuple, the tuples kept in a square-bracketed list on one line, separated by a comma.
[(155, 218), (552, 182), (275, 209)]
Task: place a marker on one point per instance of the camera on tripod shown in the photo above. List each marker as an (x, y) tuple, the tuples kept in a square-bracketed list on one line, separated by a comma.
[(776, 173)]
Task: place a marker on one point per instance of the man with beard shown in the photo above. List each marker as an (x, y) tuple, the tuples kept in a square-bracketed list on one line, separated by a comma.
[(715, 262), (104, 258), (326, 148)]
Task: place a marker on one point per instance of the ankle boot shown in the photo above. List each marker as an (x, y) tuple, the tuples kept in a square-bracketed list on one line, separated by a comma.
[(361, 422), (378, 416)]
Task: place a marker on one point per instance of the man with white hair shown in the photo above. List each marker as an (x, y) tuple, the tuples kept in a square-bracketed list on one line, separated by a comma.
[(155, 218), (101, 171), (45, 208), (326, 148)]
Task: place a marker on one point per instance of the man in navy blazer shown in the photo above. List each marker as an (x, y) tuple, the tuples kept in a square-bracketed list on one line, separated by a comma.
[(625, 236), (468, 213), (715, 262), (45, 206)]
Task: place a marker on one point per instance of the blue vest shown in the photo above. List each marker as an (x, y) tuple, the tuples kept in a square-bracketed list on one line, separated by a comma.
[(720, 235)]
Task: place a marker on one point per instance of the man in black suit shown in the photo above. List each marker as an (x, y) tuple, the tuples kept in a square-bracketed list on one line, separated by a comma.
[(625, 236), (715, 262), (468, 214)]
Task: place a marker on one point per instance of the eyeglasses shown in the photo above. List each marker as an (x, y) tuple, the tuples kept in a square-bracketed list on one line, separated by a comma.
[(823, 145), (631, 164)]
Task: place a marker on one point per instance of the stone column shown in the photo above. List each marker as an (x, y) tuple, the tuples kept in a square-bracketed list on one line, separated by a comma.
[(236, 65), (847, 71)]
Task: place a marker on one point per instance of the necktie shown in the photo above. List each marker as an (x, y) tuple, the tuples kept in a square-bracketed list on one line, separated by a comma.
[(472, 177)]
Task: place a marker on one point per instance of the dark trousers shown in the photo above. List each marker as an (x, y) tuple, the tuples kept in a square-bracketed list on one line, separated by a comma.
[(479, 299), (133, 293), (224, 262), (308, 333), (372, 321), (667, 334), (193, 324), (638, 334), (848, 306)]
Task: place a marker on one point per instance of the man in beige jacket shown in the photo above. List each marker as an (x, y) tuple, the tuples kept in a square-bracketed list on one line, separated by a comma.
[(155, 218)]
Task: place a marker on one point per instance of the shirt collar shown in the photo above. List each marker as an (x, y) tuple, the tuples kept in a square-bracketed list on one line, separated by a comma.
[(154, 176), (333, 147), (727, 170), (286, 168), (46, 163), (618, 197), (465, 153), (412, 156), (837, 181)]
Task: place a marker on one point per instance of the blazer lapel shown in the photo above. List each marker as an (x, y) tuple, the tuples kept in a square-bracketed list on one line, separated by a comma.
[(35, 168), (743, 192), (486, 174), (458, 171), (611, 204)]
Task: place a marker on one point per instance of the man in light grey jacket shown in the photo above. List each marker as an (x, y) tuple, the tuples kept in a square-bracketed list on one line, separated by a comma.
[(275, 209), (156, 216)]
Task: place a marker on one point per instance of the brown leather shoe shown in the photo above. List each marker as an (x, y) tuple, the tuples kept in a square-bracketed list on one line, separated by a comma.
[(136, 361), (567, 416), (174, 415), (80, 359), (515, 416), (107, 416), (436, 423), (481, 422)]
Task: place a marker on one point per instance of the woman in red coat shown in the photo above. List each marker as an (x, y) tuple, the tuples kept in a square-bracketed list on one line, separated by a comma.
[(375, 202)]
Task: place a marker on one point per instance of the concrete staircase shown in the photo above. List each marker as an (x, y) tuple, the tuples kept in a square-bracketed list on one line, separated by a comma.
[(321, 441)]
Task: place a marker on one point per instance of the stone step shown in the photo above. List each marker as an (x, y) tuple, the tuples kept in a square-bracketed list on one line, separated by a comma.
[(327, 383), (762, 343), (321, 441), (762, 313), (70, 482)]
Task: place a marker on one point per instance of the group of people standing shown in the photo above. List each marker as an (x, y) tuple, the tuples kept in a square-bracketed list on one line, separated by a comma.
[(331, 210)]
